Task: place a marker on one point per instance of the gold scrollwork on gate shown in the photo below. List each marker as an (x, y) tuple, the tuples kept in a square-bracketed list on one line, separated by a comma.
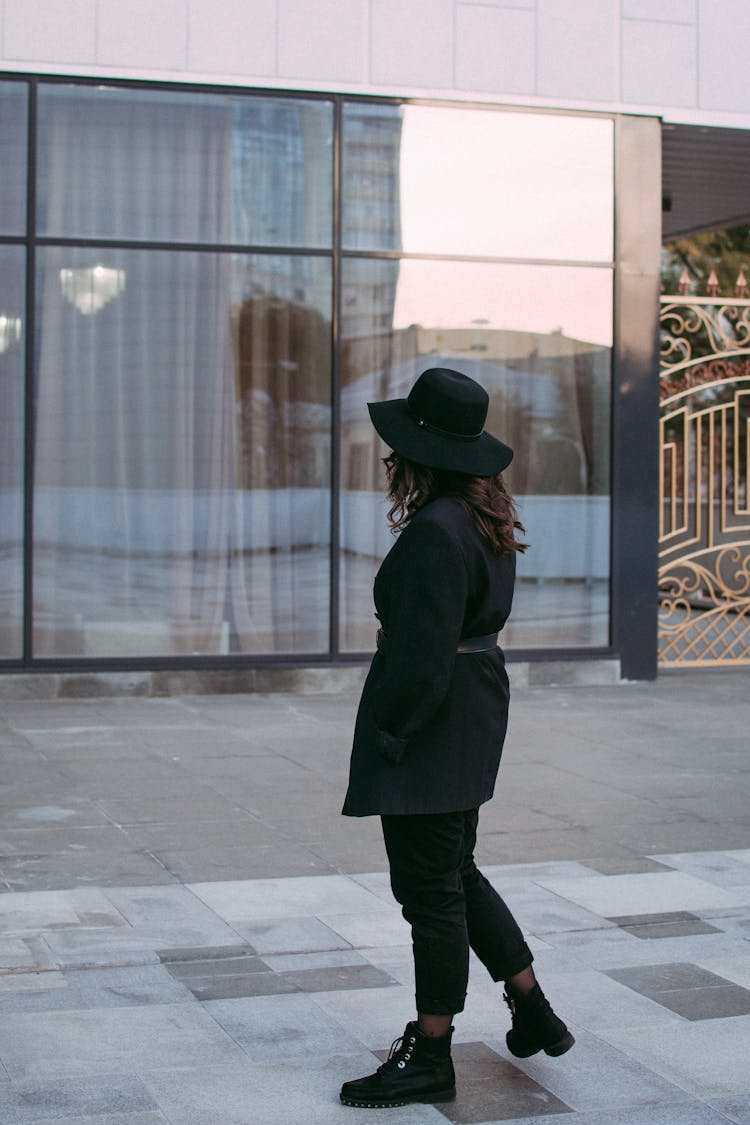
[(704, 511)]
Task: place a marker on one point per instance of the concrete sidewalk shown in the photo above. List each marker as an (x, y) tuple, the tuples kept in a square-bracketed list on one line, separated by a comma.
[(190, 933)]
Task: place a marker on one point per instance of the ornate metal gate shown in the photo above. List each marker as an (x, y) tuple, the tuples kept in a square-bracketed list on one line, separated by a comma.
[(704, 532)]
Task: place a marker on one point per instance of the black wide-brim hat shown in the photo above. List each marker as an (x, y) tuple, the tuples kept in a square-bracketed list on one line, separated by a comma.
[(441, 425)]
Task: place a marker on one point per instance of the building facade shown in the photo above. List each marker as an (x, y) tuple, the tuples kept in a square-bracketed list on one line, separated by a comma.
[(224, 228)]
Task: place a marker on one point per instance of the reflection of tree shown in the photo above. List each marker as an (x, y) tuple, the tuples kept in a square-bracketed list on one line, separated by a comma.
[(726, 252), (282, 363)]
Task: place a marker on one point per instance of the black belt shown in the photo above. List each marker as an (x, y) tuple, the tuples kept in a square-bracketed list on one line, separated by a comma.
[(468, 644)]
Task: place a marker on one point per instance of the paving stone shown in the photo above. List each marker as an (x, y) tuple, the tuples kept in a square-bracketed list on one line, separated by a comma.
[(96, 989), (279, 1091), (204, 953), (338, 978), (707, 1058), (375, 928), (33, 911), (217, 967), (285, 898), (66, 1099), (293, 935), (611, 895), (64, 1044), (108, 1119), (679, 923), (276, 1027), (596, 1076), (651, 980), (629, 865), (707, 1003)]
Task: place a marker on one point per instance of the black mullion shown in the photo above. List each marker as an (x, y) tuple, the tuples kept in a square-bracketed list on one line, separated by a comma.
[(29, 386), (335, 481), (184, 247)]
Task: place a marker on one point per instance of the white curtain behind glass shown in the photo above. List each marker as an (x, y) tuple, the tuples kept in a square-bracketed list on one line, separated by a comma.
[(141, 520)]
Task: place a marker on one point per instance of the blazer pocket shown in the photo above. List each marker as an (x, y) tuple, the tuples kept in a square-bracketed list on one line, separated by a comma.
[(392, 748)]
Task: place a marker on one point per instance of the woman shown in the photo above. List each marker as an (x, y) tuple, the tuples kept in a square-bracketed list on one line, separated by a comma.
[(431, 725)]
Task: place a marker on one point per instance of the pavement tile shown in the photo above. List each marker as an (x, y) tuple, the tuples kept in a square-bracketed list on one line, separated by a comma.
[(375, 928), (108, 1119), (685, 1112), (294, 962), (171, 916), (337, 978), (593, 831), (288, 1026), (66, 1044), (279, 1091), (736, 1110), (489, 1087), (707, 1058), (96, 989), (32, 911), (286, 898), (290, 935), (722, 868), (611, 895), (96, 1099), (595, 1076)]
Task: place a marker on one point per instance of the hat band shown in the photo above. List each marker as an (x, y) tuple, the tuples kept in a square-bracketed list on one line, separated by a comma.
[(423, 425)]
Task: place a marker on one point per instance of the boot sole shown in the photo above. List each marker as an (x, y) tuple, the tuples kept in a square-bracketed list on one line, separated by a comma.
[(361, 1103), (554, 1049)]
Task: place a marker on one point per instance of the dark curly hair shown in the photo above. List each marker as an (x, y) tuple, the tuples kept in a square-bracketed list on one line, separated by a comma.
[(486, 499)]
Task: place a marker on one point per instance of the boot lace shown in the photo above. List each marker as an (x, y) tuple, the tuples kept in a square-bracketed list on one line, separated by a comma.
[(399, 1054)]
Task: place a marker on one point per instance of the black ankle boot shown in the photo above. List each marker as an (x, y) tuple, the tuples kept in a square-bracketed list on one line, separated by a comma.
[(535, 1026), (418, 1069)]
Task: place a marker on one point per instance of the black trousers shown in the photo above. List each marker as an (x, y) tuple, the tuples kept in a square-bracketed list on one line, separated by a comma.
[(450, 906)]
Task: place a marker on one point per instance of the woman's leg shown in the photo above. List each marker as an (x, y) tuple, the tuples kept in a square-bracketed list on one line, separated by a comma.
[(494, 934), (499, 944), (425, 853)]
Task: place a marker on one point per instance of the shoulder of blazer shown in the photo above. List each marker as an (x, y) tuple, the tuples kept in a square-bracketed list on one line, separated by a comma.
[(445, 518)]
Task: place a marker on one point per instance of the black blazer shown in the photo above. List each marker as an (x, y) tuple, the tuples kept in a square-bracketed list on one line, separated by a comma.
[(431, 721)]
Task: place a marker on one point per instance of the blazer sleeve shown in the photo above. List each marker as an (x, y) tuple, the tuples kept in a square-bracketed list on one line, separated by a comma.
[(426, 612)]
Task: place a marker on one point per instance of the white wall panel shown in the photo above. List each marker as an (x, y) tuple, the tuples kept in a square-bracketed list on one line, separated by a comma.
[(142, 34), (327, 39), (412, 43), (679, 11), (233, 37), (508, 65), (723, 53), (50, 31), (578, 49), (610, 54), (659, 65)]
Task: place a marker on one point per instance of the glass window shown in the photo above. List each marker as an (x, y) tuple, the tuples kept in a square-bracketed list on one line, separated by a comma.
[(12, 268), (539, 339), (473, 182), (13, 144), (182, 465), (160, 166)]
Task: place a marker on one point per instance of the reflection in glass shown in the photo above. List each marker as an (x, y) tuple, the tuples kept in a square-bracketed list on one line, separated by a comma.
[(474, 182), (13, 118), (164, 166), (182, 456), (539, 339), (11, 449)]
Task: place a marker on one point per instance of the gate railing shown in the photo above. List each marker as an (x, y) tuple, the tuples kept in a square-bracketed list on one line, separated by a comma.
[(704, 512)]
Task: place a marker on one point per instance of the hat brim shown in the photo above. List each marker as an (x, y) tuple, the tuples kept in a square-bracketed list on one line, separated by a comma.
[(483, 456)]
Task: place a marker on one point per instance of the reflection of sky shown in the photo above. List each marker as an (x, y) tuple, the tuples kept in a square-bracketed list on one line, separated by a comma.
[(573, 300), (514, 185)]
